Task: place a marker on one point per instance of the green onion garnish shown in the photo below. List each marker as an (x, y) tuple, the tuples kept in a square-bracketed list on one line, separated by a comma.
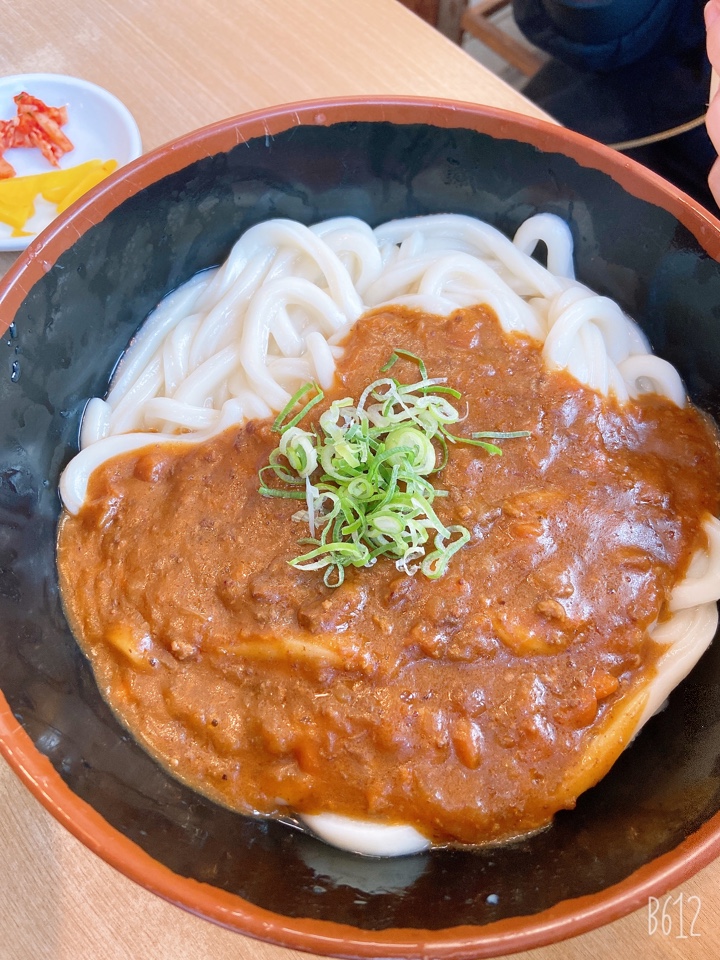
[(371, 459)]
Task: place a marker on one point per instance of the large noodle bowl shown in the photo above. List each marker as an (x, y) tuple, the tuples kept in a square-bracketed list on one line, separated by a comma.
[(233, 345)]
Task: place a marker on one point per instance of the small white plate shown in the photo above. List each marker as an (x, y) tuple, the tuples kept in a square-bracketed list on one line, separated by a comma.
[(99, 126)]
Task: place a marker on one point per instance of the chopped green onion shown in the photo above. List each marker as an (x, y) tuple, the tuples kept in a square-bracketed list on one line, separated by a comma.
[(282, 494), (498, 435), (292, 403), (413, 444), (435, 564), (491, 448), (395, 356), (365, 472), (298, 446)]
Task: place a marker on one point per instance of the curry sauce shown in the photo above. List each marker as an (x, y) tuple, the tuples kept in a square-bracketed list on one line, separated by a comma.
[(473, 706)]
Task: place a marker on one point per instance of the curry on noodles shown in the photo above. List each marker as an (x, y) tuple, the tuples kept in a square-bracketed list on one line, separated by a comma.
[(469, 706)]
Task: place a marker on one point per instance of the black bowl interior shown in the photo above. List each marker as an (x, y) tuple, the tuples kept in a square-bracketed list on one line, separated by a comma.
[(61, 349)]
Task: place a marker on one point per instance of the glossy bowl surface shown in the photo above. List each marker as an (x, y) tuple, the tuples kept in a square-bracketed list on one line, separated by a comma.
[(69, 307)]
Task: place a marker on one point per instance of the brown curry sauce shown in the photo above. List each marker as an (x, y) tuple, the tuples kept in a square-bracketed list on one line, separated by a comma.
[(472, 707)]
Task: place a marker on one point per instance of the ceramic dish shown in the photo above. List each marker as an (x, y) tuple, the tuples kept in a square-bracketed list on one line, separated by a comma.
[(99, 126), (69, 313)]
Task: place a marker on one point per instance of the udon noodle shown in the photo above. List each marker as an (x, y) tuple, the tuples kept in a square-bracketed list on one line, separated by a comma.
[(235, 343)]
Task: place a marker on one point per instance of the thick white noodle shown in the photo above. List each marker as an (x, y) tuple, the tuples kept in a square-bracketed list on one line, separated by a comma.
[(693, 621), (555, 234), (235, 343), (272, 317), (95, 422), (645, 373), (701, 582), (365, 837), (174, 307), (688, 634)]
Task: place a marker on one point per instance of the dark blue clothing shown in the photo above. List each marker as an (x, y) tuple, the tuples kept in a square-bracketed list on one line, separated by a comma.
[(603, 35), (624, 69)]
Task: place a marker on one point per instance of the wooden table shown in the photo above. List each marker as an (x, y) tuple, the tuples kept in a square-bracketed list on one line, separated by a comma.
[(178, 66)]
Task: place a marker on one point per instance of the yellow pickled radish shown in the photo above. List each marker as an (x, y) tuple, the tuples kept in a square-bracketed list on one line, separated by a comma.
[(60, 187)]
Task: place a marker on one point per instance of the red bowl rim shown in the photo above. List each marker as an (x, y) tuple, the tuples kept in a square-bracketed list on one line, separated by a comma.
[(567, 918)]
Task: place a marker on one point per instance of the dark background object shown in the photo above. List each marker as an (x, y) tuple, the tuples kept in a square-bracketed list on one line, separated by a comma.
[(627, 69)]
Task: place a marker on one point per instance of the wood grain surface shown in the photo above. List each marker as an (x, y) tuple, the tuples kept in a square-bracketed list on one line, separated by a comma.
[(178, 66)]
